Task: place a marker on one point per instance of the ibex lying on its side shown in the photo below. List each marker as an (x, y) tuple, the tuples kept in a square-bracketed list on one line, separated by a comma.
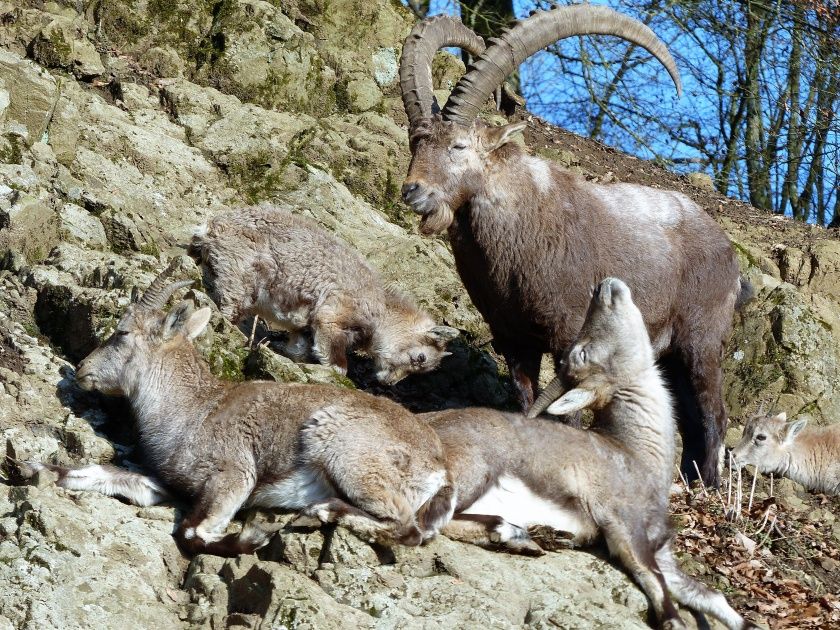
[(529, 238), (808, 456), (336, 454), (286, 269), (610, 481)]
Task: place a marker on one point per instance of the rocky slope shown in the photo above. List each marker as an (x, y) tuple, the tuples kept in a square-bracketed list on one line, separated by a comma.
[(123, 125)]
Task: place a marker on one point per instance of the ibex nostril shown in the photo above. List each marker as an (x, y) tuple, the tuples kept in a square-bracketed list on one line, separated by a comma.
[(408, 189)]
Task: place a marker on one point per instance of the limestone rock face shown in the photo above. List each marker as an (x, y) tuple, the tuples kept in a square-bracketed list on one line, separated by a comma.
[(125, 125)]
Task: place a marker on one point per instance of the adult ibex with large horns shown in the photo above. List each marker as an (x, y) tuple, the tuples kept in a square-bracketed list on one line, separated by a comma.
[(530, 239)]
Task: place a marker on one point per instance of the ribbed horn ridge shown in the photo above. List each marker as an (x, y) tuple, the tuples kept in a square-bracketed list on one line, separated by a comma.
[(426, 38), (159, 292), (552, 392), (531, 35)]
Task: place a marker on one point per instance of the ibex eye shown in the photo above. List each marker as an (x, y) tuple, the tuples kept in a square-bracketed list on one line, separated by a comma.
[(459, 146), (121, 333), (760, 437)]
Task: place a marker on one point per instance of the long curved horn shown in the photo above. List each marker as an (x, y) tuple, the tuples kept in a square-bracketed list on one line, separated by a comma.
[(159, 292), (425, 39), (552, 392), (533, 34)]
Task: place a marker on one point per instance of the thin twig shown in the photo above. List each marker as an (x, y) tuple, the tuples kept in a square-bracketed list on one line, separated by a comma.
[(740, 496), (752, 490), (687, 487), (700, 477), (729, 489), (253, 332), (771, 486)]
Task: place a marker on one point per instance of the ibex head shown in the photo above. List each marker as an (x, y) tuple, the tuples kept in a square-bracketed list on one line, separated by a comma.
[(450, 149), (143, 336), (766, 442), (610, 350)]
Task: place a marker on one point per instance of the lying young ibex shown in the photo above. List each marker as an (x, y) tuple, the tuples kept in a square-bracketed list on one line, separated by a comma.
[(612, 481), (284, 268), (530, 237), (337, 454), (808, 456)]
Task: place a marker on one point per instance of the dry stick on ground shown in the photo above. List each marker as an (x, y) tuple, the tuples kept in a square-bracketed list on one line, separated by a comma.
[(685, 483), (752, 490), (700, 477), (253, 332), (771, 486), (729, 487)]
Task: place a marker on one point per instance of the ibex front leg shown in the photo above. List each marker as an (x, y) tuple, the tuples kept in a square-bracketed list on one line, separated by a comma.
[(491, 531), (203, 529)]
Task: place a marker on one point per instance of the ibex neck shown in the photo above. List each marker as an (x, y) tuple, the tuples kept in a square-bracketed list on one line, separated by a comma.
[(175, 395), (640, 415), (806, 463)]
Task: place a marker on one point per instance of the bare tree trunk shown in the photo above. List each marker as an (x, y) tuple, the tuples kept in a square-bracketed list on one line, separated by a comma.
[(420, 7), (488, 18), (794, 138), (758, 179)]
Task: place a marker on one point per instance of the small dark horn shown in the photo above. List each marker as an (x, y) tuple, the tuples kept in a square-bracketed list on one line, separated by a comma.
[(159, 292), (552, 392)]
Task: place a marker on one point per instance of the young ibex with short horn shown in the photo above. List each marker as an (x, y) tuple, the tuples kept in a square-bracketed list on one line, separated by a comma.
[(807, 456), (286, 269), (611, 481), (337, 454), (529, 238)]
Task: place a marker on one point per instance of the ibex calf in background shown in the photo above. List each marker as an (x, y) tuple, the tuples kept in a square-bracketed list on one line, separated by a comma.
[(337, 454), (529, 238), (286, 269), (611, 481), (808, 456)]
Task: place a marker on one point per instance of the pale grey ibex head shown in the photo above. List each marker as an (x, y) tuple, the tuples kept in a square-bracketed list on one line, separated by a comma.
[(766, 442), (611, 348), (143, 335), (450, 147)]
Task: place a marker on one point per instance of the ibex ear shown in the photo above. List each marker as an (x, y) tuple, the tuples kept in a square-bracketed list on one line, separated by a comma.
[(573, 400), (781, 417), (442, 335), (197, 323), (792, 429), (175, 319), (499, 136)]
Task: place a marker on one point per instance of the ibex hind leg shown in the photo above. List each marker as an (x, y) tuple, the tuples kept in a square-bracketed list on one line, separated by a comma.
[(705, 374), (203, 529), (383, 488), (111, 481), (636, 555), (695, 595), (364, 525), (490, 531)]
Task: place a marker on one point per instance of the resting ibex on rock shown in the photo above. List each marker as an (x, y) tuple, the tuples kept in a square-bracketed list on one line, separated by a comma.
[(611, 481), (808, 456), (286, 269), (337, 454), (529, 238)]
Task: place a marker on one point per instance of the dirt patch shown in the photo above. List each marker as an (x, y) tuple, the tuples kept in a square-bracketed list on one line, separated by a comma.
[(10, 357), (779, 563)]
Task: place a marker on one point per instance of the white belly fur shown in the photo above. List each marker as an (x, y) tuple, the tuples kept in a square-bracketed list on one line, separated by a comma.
[(514, 501)]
